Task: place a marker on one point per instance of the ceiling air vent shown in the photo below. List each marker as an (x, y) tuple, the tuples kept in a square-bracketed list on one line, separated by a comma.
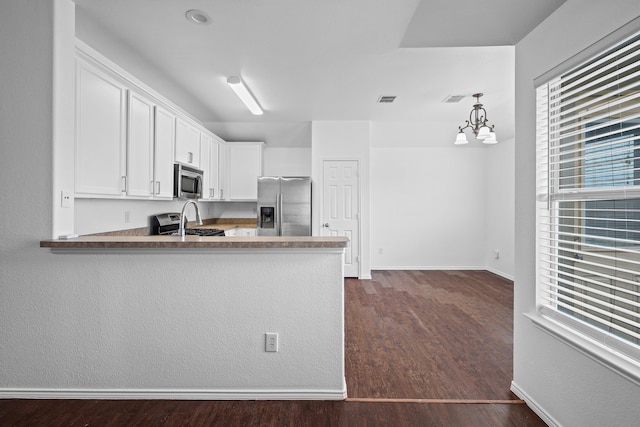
[(452, 99), (386, 99)]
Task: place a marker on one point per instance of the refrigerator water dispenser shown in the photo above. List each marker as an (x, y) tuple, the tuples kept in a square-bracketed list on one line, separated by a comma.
[(267, 217)]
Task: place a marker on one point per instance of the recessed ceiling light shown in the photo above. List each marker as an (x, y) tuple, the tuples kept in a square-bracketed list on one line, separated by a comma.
[(196, 16)]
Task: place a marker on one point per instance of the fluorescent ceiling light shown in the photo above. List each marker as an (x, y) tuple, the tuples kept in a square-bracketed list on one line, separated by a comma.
[(244, 94)]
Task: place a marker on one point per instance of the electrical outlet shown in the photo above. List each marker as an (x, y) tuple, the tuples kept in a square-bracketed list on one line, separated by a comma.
[(127, 217), (271, 342), (65, 199)]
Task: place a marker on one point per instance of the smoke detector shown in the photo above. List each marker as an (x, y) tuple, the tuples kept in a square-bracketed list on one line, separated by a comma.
[(196, 16)]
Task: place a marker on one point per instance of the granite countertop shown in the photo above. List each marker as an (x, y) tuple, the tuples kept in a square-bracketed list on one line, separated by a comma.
[(177, 242), (139, 238)]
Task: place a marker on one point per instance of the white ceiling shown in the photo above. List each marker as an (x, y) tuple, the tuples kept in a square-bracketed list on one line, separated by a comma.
[(311, 60)]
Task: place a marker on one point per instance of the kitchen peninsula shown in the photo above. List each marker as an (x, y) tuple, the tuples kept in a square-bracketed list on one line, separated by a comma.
[(186, 318), (177, 242)]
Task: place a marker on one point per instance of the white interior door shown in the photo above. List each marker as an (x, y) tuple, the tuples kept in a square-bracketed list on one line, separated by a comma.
[(341, 208)]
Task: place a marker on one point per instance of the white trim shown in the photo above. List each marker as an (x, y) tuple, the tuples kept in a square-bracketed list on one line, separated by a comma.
[(605, 355), (447, 268), (589, 52), (173, 394), (500, 273), (428, 267), (534, 406)]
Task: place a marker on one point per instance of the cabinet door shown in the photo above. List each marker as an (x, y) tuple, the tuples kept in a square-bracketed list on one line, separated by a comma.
[(205, 165), (246, 232), (187, 143), (214, 177), (140, 143), (209, 162), (100, 132), (223, 168), (163, 158), (244, 168)]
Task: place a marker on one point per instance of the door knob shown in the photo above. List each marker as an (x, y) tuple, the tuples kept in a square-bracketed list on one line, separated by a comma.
[(326, 224)]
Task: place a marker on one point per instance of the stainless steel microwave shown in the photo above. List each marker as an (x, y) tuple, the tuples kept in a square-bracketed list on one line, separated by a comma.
[(187, 182)]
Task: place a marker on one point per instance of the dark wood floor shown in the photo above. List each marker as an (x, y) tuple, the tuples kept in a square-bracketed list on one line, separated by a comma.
[(424, 348), (429, 334)]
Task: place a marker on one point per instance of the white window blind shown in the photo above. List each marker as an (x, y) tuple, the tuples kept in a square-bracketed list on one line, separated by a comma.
[(588, 197)]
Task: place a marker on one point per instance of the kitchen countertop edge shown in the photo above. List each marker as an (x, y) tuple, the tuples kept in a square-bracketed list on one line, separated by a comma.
[(176, 242)]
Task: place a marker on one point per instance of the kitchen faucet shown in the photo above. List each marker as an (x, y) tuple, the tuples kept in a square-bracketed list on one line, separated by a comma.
[(183, 218)]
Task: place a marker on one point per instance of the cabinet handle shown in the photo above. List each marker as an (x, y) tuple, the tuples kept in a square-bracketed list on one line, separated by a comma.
[(221, 193), (211, 193), (124, 184), (151, 186), (190, 155), (157, 187)]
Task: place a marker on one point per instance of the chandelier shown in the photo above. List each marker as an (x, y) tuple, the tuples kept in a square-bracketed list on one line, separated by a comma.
[(478, 123)]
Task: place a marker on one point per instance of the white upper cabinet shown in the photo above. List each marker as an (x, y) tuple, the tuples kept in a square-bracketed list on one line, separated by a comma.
[(165, 134), (187, 143), (100, 132), (210, 165), (128, 136), (244, 166), (214, 161), (140, 142)]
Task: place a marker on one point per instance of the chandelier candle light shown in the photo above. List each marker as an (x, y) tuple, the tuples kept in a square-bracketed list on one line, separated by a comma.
[(478, 123)]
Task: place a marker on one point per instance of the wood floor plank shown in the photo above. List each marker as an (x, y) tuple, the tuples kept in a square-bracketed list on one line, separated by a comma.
[(106, 413), (429, 334)]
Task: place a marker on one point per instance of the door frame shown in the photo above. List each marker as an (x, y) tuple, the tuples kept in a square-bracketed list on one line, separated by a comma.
[(358, 196)]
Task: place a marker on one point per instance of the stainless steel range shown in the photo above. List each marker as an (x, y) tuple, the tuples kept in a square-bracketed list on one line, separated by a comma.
[(167, 224)]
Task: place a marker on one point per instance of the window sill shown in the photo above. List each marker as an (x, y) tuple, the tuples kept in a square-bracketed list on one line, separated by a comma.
[(617, 361)]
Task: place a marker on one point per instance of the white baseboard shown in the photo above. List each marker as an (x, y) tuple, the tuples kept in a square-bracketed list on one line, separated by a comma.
[(500, 273), (533, 405), (173, 394), (428, 267), (447, 268)]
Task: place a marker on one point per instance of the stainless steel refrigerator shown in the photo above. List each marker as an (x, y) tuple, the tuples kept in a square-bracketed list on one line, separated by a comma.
[(284, 206)]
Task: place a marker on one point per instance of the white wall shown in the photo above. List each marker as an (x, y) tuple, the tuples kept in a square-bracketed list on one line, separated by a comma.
[(102, 215), (437, 205), (499, 190), (569, 388), (286, 161), (85, 322), (427, 208)]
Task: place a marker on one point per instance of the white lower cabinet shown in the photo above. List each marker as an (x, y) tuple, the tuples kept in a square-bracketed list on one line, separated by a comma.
[(101, 106), (246, 232), (240, 232)]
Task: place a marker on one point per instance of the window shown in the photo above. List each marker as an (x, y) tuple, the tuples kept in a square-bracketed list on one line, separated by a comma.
[(588, 198)]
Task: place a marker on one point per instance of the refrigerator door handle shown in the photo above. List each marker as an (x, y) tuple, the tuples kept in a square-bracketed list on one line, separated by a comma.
[(280, 197)]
